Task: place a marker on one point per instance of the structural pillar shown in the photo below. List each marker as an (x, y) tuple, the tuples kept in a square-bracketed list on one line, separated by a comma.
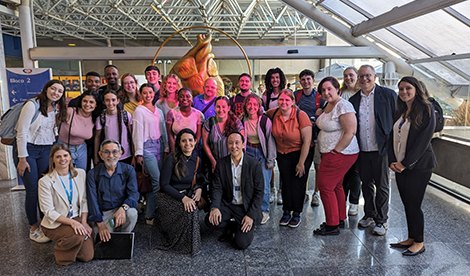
[(26, 29)]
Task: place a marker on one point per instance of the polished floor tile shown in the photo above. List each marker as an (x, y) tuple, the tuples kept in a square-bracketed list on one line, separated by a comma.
[(276, 250)]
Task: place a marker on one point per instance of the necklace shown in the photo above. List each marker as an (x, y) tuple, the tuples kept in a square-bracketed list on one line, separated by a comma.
[(187, 158)]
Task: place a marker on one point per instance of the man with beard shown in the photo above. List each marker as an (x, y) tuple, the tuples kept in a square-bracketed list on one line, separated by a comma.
[(112, 193), (236, 102)]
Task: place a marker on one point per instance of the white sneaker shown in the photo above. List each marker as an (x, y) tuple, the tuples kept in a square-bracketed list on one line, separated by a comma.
[(353, 209), (315, 199), (265, 218), (38, 236), (272, 195), (380, 229), (365, 222), (279, 197)]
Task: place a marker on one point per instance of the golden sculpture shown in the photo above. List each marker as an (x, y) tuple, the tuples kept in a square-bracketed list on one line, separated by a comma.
[(197, 65)]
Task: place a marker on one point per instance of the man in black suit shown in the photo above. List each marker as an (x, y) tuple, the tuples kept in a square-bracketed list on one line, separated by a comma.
[(238, 188), (375, 107)]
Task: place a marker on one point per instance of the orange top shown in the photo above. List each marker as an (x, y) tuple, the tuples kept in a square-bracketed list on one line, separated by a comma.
[(287, 134)]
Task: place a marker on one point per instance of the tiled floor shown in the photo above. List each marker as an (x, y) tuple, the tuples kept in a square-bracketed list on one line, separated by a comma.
[(275, 250)]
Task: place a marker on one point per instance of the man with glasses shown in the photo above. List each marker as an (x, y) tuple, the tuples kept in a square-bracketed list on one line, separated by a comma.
[(112, 193), (375, 107)]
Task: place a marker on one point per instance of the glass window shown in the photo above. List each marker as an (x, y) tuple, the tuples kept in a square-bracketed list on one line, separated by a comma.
[(378, 7), (403, 47)]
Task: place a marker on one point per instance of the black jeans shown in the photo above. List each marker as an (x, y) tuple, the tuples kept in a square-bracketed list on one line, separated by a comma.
[(352, 184)]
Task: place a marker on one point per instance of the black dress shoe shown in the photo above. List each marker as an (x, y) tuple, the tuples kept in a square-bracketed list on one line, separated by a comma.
[(399, 245), (407, 252), (323, 231), (341, 224)]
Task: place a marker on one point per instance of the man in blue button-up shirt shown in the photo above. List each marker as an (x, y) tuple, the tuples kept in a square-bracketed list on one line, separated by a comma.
[(112, 193)]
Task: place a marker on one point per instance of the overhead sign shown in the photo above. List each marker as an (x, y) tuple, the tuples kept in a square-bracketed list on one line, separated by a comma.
[(26, 83)]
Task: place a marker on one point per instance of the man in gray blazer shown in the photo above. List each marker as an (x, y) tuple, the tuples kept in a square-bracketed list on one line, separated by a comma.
[(238, 189), (375, 107)]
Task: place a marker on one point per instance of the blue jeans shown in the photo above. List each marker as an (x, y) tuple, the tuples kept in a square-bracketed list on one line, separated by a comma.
[(38, 161), (79, 155), (153, 155), (258, 154)]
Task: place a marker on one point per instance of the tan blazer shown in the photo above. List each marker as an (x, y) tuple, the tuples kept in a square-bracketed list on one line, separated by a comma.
[(53, 200)]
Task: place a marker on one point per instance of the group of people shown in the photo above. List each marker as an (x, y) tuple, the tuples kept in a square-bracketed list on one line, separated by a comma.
[(218, 154)]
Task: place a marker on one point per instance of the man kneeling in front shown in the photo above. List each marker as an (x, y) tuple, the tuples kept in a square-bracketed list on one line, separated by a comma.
[(112, 193), (238, 188)]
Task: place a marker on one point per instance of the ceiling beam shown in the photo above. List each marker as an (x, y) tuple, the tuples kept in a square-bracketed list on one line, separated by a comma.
[(441, 58), (400, 14)]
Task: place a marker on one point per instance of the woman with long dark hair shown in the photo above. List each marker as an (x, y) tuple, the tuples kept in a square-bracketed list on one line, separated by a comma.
[(176, 220), (34, 140), (150, 142), (115, 124), (62, 198), (217, 128), (411, 158), (79, 125)]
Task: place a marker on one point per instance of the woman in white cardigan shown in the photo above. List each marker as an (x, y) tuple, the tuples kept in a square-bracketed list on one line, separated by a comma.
[(62, 199)]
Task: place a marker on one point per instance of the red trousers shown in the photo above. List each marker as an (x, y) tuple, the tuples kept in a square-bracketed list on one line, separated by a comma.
[(333, 167)]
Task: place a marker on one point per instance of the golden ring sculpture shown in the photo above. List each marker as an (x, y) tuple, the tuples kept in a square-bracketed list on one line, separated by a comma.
[(204, 27)]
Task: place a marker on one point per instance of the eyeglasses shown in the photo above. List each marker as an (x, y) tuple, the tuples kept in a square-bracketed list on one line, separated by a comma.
[(366, 76), (108, 153)]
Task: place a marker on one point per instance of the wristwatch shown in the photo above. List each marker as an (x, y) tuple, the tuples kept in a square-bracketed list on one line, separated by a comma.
[(125, 207)]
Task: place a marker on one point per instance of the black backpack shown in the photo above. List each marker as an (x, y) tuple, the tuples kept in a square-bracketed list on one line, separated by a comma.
[(439, 115)]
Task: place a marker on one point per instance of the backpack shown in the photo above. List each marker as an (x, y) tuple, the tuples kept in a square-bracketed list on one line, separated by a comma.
[(317, 98), (10, 119), (439, 115)]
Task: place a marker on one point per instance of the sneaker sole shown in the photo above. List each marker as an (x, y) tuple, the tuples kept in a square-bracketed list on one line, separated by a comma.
[(378, 234), (294, 226), (352, 213)]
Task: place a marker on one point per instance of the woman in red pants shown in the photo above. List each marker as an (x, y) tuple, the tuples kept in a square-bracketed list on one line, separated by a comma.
[(339, 150)]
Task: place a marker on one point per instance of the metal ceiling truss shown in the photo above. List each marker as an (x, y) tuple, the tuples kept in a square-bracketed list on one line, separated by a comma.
[(131, 20)]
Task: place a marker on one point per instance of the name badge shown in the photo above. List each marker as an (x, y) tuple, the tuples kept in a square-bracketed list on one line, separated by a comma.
[(70, 211), (237, 188)]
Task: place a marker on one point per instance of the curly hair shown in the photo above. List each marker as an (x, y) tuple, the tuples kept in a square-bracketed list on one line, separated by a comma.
[(123, 97), (267, 79), (419, 106), (230, 124), (245, 103), (163, 91), (179, 162)]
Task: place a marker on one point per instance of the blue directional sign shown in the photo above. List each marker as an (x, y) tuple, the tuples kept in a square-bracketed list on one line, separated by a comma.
[(26, 83)]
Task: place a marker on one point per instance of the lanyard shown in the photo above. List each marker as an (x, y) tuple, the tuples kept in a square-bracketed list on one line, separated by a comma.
[(69, 195)]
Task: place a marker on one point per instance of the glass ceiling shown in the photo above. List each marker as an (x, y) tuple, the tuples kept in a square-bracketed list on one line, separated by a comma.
[(443, 32)]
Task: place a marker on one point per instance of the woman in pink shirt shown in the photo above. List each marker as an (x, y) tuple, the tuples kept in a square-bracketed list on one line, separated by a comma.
[(78, 126)]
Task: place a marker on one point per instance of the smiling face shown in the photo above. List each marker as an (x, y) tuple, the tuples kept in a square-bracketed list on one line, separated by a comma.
[(112, 75), (147, 95), (221, 109), (210, 88), (111, 102), (306, 81), (110, 154), (61, 160), (245, 84), (152, 76), (235, 145), (55, 92), (92, 83), (252, 106), (406, 92), (285, 102), (350, 78), (88, 104), (328, 92), (187, 143), (129, 85), (171, 86), (275, 80), (366, 78), (185, 98)]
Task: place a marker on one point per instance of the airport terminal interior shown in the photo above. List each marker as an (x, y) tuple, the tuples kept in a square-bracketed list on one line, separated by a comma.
[(427, 39)]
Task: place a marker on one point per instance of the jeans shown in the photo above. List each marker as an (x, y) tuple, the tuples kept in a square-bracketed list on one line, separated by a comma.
[(79, 155), (38, 161), (258, 154), (153, 155)]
